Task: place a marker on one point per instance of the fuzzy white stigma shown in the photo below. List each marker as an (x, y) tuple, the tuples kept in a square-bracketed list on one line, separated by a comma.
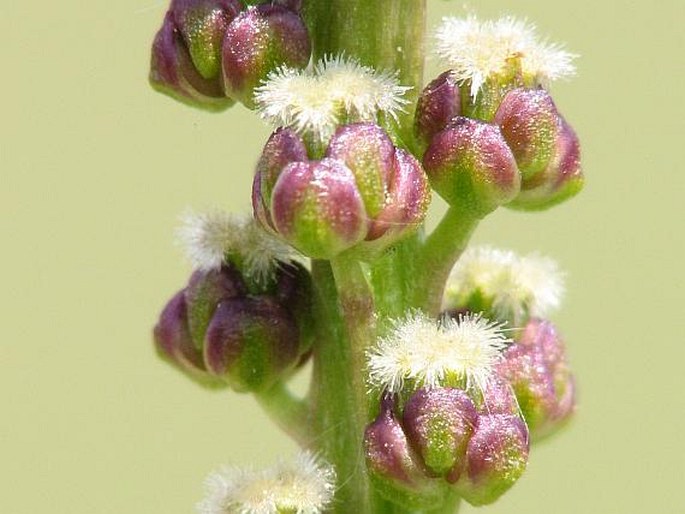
[(335, 90), (478, 50), (305, 485), (208, 237), (426, 352), (518, 286)]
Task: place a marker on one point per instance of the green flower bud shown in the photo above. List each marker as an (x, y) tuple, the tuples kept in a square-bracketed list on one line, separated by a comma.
[(470, 165)]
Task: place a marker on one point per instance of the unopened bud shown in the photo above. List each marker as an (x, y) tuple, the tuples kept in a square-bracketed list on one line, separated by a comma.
[(537, 369), (470, 165), (174, 344), (186, 52), (393, 467), (259, 40), (250, 342), (496, 457), (439, 423), (561, 179), (439, 102)]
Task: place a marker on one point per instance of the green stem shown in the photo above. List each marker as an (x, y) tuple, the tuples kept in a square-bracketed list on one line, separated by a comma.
[(338, 386), (290, 413), (437, 257)]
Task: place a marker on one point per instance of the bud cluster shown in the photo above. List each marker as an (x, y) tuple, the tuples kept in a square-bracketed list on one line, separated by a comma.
[(220, 332), (211, 53), (364, 193), (490, 133), (445, 438)]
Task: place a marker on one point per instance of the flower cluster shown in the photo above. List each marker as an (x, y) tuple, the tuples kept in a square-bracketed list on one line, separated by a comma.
[(437, 380), (211, 53)]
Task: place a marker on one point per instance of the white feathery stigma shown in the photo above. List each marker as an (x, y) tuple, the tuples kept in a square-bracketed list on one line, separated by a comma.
[(304, 485), (518, 286), (477, 50), (208, 237), (315, 101), (426, 352)]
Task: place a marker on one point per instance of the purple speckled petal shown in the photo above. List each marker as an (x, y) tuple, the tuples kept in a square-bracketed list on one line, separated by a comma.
[(409, 196), (470, 164), (529, 122), (497, 456), (439, 102), (259, 40), (316, 206), (368, 151), (539, 374), (562, 179), (439, 423)]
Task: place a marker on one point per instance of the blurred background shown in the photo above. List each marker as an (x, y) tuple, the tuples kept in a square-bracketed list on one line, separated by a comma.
[(95, 168)]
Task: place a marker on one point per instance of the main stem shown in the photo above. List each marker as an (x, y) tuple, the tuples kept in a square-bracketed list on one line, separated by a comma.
[(387, 35)]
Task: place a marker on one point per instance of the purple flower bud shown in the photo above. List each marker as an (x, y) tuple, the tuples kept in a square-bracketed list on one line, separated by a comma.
[(250, 342), (561, 180), (259, 40), (393, 467), (439, 423), (283, 147), (496, 457), (204, 292), (174, 344), (529, 122), (537, 369), (184, 62), (470, 165), (439, 102), (317, 208)]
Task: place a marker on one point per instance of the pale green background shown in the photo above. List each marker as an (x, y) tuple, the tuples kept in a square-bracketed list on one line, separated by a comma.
[(95, 168)]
